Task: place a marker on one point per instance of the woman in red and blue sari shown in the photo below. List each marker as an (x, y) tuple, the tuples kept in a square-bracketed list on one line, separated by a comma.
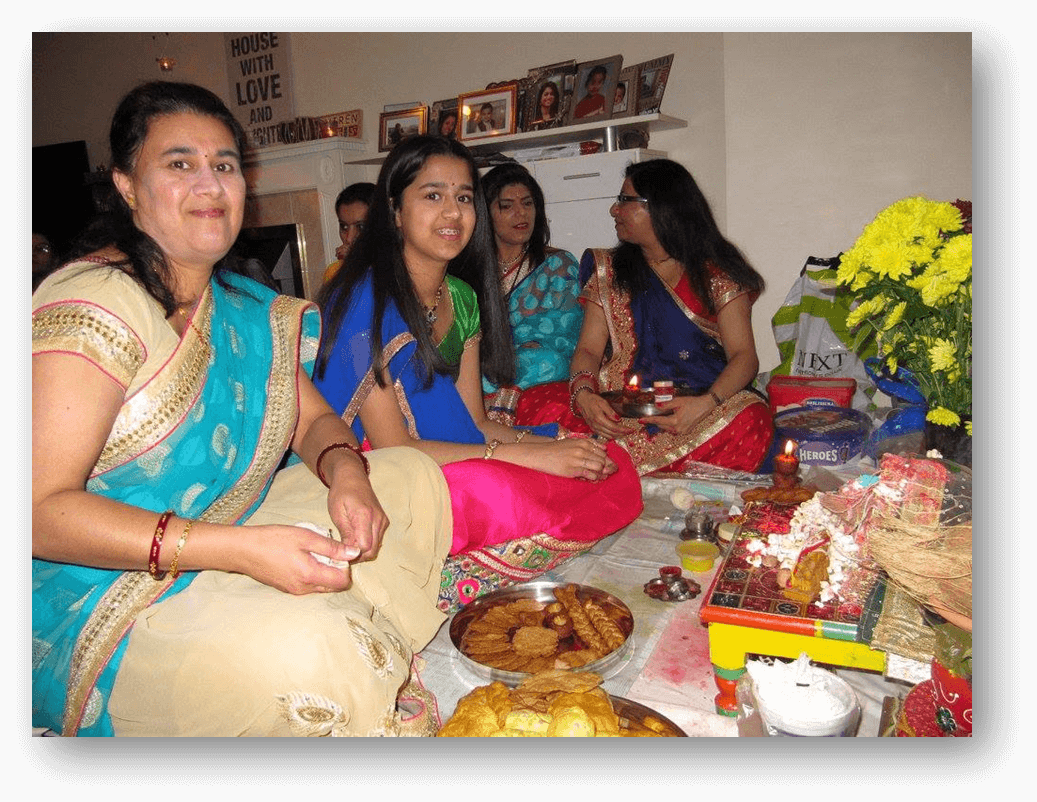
[(671, 302)]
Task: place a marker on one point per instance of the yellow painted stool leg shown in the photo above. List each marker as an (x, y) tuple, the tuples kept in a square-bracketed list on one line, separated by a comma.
[(729, 644)]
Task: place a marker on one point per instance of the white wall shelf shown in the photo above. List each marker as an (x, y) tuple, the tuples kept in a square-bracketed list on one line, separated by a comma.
[(606, 131)]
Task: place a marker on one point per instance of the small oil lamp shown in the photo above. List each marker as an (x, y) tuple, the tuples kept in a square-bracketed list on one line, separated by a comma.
[(786, 466), (632, 388)]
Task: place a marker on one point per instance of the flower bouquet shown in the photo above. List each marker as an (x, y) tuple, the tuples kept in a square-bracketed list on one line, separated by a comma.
[(911, 273)]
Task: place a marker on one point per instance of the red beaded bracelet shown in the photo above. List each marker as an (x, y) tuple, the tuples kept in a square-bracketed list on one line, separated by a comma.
[(355, 449), (156, 546)]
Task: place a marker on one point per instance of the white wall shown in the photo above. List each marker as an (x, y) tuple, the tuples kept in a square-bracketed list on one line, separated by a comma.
[(797, 139)]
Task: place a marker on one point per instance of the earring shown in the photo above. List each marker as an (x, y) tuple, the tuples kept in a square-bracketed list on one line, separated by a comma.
[(132, 203)]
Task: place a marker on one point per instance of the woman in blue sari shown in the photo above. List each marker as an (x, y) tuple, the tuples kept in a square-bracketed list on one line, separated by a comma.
[(672, 302), (166, 391), (413, 320), (540, 284)]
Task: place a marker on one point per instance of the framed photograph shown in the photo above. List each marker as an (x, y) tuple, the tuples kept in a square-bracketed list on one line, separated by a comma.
[(653, 77), (595, 90), (443, 118), (548, 96), (396, 126), (348, 124), (487, 113), (625, 104)]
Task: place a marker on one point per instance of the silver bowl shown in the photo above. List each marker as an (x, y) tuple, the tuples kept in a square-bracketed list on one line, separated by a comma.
[(540, 591)]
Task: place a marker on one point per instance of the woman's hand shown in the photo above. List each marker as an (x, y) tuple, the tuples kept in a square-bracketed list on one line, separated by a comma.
[(573, 458), (601, 417), (283, 557), (352, 503), (688, 410), (356, 512)]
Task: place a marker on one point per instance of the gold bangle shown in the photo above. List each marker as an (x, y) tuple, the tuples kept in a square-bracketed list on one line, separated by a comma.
[(490, 448), (520, 434), (173, 573), (572, 399)]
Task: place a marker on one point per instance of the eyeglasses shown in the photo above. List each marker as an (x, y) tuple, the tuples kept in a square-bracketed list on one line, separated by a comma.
[(630, 199)]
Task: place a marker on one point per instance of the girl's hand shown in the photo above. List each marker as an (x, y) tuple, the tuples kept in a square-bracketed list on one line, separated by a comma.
[(601, 417), (573, 458)]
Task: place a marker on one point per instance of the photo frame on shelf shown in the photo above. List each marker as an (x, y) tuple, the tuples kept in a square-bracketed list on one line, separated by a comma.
[(396, 126), (443, 118), (625, 103), (551, 79), (487, 113), (652, 79), (595, 90)]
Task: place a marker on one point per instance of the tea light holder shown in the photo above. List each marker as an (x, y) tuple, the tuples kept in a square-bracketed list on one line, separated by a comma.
[(786, 466)]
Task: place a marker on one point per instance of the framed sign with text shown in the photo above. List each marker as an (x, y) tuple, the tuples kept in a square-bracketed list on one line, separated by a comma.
[(259, 69)]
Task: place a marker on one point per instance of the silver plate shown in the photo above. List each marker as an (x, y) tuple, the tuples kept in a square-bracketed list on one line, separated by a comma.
[(541, 592), (635, 711), (632, 409)]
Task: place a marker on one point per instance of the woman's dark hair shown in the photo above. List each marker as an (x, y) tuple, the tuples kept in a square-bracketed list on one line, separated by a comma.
[(131, 122), (361, 191), (504, 175), (379, 251), (596, 70), (558, 95), (684, 225)]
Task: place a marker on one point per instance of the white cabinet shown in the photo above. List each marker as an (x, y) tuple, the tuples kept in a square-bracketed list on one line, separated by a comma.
[(578, 192)]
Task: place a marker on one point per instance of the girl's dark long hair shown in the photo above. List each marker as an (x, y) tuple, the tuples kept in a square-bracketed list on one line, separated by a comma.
[(145, 261), (379, 250), (504, 175), (684, 224)]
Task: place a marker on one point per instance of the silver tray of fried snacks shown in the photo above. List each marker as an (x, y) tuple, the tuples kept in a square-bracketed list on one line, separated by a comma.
[(515, 632)]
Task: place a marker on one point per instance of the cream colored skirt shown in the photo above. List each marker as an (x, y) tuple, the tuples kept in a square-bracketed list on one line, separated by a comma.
[(231, 656)]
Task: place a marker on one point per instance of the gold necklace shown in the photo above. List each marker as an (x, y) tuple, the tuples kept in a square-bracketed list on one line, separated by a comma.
[(506, 265), (430, 311), (657, 262)]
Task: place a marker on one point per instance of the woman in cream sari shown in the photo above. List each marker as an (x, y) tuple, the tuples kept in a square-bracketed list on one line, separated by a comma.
[(166, 391)]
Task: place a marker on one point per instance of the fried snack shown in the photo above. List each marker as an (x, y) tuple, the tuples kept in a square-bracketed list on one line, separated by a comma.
[(577, 659), (605, 626), (534, 641), (780, 495), (571, 722), (582, 626), (561, 680), (595, 704), (479, 713), (549, 703)]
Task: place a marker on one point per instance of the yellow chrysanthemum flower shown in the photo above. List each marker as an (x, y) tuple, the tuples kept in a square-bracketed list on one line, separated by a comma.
[(968, 428), (895, 316), (864, 311), (942, 355), (942, 416)]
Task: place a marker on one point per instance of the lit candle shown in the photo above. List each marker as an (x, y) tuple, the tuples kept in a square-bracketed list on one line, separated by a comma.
[(787, 464), (630, 391)]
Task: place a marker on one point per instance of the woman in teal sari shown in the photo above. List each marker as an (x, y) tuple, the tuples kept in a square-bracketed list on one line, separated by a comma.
[(413, 320), (540, 284), (166, 391)]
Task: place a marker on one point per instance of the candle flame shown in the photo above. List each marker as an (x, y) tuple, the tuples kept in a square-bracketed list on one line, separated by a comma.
[(633, 382), (790, 447)]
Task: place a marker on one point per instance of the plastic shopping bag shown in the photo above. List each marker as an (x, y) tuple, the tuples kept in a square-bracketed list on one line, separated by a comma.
[(811, 335)]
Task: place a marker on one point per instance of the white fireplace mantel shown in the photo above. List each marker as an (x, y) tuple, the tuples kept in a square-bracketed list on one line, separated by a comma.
[(322, 167)]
